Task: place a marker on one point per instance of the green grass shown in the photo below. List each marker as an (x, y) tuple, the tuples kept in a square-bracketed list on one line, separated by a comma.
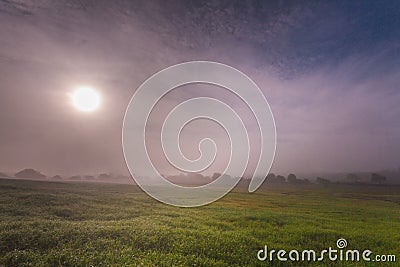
[(88, 224)]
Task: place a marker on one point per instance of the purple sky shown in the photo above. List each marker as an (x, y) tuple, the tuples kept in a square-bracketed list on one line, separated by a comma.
[(331, 73)]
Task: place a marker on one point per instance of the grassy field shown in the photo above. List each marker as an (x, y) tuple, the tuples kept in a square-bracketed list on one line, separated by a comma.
[(84, 224)]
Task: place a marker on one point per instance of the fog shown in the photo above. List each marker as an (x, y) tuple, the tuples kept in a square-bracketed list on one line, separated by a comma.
[(329, 73)]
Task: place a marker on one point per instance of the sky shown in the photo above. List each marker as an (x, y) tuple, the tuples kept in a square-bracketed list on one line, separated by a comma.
[(330, 71)]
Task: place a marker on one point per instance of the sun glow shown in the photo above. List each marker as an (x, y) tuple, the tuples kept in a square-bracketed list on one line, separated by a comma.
[(86, 99)]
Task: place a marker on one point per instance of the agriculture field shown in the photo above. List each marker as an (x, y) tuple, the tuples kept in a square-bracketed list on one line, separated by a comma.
[(83, 224)]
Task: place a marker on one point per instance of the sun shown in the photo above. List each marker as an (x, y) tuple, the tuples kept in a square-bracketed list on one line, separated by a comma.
[(85, 99)]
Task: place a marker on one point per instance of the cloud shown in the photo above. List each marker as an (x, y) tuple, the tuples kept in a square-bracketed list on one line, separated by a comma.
[(329, 70)]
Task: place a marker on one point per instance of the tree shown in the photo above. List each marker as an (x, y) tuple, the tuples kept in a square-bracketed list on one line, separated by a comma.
[(30, 173), (321, 180), (3, 175), (215, 176), (280, 179), (352, 178), (377, 178), (292, 178), (56, 177), (271, 178)]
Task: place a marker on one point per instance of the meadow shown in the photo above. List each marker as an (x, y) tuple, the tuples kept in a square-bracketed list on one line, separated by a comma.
[(95, 224)]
